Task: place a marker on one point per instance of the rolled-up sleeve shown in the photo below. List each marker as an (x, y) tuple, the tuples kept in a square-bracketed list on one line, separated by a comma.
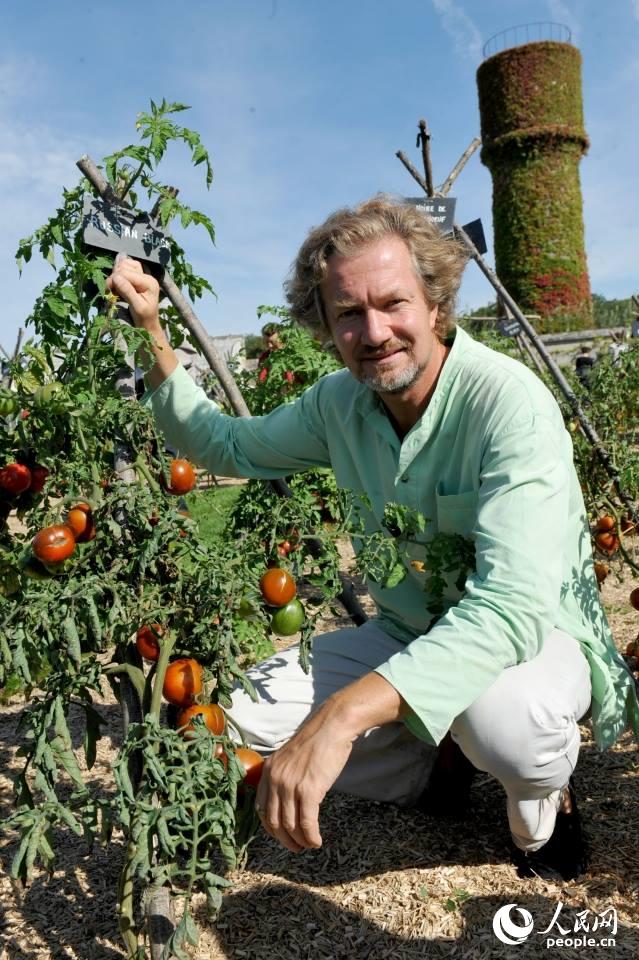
[(289, 439), (510, 602)]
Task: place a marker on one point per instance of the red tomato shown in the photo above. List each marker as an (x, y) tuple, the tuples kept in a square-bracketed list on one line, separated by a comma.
[(289, 376), (53, 544), (80, 519), (182, 477), (263, 374), (278, 587), (213, 717), (146, 640), (15, 478), (182, 682), (39, 476), (252, 764)]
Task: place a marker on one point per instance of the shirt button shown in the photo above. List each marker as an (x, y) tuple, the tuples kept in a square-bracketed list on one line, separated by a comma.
[(405, 479)]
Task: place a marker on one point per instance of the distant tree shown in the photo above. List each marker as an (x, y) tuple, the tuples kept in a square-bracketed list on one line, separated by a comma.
[(611, 313)]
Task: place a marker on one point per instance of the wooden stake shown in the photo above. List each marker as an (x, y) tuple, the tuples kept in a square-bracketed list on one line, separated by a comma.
[(423, 137)]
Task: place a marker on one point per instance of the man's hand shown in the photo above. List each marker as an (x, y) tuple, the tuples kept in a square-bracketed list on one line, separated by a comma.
[(140, 290), (142, 293), (297, 777)]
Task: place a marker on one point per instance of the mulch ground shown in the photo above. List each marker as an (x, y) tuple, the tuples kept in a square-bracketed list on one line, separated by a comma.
[(388, 883)]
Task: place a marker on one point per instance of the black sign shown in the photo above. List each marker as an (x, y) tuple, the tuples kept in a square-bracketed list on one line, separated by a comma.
[(509, 326), (122, 230), (440, 210), (475, 232)]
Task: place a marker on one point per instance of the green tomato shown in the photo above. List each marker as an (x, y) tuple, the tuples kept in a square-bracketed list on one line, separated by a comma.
[(49, 395), (9, 404), (246, 610), (288, 619)]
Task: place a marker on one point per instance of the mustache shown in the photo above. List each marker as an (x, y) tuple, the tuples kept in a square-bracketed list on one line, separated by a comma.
[(388, 348)]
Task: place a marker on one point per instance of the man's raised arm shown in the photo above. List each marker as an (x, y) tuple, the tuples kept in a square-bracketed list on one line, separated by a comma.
[(142, 293)]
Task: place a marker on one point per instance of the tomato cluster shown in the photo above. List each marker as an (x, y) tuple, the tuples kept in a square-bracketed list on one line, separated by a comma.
[(279, 590), (182, 686), (17, 478), (53, 545), (606, 536)]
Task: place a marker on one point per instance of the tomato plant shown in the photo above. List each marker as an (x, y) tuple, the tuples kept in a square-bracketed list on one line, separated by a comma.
[(66, 627)]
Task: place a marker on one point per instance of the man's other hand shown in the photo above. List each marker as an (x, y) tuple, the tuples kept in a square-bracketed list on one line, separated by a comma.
[(140, 290)]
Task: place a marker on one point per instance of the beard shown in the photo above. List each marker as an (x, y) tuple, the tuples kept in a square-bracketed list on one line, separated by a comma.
[(394, 381)]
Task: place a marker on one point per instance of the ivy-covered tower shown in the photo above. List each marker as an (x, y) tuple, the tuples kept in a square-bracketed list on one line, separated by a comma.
[(533, 138)]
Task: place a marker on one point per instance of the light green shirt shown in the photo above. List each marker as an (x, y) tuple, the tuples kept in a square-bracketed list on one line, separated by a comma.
[(490, 459)]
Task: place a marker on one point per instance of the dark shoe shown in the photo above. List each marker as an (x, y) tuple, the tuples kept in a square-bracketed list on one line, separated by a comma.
[(564, 856), (448, 791)]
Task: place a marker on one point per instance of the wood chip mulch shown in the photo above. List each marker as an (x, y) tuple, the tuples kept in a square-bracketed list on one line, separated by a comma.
[(388, 884)]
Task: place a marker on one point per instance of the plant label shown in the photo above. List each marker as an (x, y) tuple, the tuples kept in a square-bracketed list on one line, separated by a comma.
[(122, 230), (440, 210), (508, 326)]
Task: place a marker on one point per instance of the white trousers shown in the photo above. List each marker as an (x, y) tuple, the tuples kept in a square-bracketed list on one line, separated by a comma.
[(522, 730)]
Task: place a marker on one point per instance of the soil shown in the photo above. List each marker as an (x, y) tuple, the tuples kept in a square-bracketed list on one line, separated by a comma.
[(388, 882)]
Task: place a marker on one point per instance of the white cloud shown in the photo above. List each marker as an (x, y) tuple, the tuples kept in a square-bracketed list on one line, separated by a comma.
[(459, 26), (19, 80)]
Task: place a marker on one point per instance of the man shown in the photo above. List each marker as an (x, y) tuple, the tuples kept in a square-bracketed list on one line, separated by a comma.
[(422, 416)]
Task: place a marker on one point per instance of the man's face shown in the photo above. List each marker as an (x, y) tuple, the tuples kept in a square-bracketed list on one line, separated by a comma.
[(378, 316)]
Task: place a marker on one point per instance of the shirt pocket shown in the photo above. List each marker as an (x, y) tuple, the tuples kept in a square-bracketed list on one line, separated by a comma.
[(457, 512)]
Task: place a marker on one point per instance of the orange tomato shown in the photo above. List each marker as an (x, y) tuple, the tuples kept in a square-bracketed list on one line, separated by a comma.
[(182, 682), (213, 717), (80, 519), (252, 764), (278, 587)]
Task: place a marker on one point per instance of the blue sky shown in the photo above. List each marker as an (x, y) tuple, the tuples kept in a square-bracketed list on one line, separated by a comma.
[(302, 104)]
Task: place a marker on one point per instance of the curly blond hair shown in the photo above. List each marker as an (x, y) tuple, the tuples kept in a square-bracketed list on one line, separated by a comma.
[(438, 260)]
